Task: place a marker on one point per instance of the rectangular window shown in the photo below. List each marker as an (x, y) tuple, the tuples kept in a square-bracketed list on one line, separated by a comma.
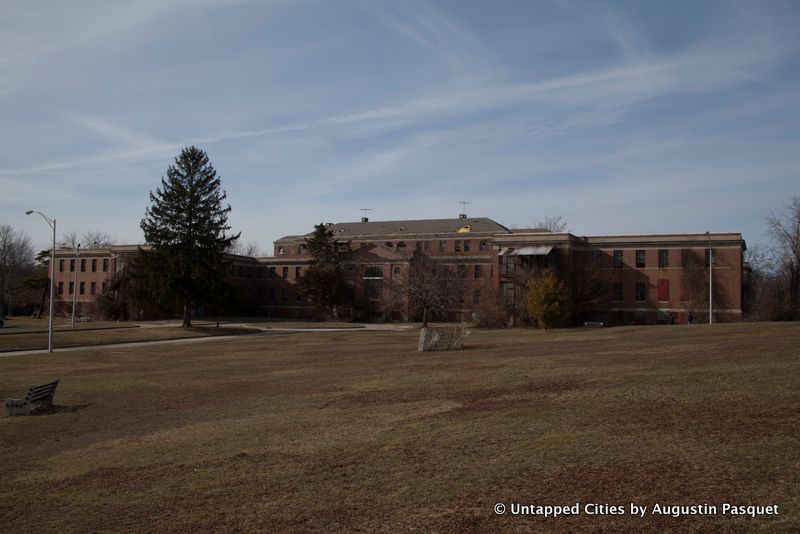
[(466, 245), (418, 246), (442, 246), (105, 265), (94, 265), (83, 288), (640, 261), (641, 292), (93, 288), (663, 289), (483, 246), (596, 256), (616, 289), (103, 287), (476, 297), (61, 266), (461, 296), (61, 288), (83, 266), (272, 272), (617, 259), (663, 258), (458, 245), (72, 266), (478, 271), (685, 255), (71, 288), (462, 271), (297, 272), (285, 274), (427, 246), (713, 257)]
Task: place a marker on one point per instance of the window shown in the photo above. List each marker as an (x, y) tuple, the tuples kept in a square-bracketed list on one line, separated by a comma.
[(298, 296), (105, 265), (272, 294), (427, 246), (640, 258), (272, 272), (476, 297), (83, 266), (281, 250), (83, 288), (373, 272), (284, 294), (462, 271), (93, 288), (483, 246), (617, 259), (71, 288), (297, 272), (663, 289), (641, 292), (418, 246), (663, 258), (458, 245), (713, 257), (466, 245), (389, 244), (401, 244), (461, 296), (61, 266), (61, 287), (301, 249), (94, 265), (685, 257), (477, 271), (616, 290), (285, 274), (397, 270), (72, 266), (442, 246), (103, 286)]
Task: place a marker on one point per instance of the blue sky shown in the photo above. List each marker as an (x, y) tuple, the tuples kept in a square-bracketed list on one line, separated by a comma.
[(623, 117)]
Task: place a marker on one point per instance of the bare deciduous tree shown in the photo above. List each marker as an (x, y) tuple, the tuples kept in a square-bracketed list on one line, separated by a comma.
[(97, 239), (16, 262), (555, 224), (784, 228), (430, 287), (240, 248)]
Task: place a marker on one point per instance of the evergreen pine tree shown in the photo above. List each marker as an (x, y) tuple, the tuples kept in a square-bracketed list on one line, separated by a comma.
[(186, 226), (323, 282)]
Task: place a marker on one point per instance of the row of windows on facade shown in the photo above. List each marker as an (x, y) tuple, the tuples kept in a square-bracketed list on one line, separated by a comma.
[(83, 265), (81, 288), (640, 291), (459, 245), (663, 258)]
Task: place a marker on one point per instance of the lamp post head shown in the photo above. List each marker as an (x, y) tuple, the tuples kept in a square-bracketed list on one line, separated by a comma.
[(28, 212)]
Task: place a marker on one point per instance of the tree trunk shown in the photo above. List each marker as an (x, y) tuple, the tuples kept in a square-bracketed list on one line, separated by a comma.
[(187, 316), (44, 298), (424, 317)]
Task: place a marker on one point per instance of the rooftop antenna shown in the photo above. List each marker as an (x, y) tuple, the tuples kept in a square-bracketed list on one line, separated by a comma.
[(365, 210), (464, 204)]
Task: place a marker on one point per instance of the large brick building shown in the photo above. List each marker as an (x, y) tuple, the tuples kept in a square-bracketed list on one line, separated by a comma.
[(640, 279), (647, 279)]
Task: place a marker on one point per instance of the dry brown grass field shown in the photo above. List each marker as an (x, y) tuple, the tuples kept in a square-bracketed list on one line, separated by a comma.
[(356, 431)]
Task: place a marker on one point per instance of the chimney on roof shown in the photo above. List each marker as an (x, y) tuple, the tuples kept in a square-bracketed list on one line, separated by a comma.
[(364, 219)]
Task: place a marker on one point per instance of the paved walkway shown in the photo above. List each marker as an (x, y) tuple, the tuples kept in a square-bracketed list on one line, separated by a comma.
[(259, 331)]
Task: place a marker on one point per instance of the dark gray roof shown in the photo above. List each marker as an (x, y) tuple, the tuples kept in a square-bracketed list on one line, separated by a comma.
[(417, 228)]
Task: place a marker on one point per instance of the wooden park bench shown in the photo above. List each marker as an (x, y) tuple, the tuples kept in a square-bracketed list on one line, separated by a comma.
[(39, 397)]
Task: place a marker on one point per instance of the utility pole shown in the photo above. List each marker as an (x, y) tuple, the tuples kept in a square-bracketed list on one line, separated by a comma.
[(710, 280)]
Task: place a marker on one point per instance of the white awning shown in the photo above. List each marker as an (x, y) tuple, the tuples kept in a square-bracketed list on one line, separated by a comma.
[(532, 251), (503, 251)]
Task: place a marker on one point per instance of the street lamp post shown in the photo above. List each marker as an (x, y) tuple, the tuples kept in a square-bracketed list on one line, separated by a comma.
[(77, 250), (710, 279), (52, 223)]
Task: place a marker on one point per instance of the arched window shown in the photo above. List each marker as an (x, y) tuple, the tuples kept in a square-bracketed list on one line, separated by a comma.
[(373, 272)]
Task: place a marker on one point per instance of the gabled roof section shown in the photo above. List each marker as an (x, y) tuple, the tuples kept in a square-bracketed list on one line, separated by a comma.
[(415, 228)]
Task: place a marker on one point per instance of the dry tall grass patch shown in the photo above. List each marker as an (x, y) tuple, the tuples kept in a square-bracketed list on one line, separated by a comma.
[(357, 431)]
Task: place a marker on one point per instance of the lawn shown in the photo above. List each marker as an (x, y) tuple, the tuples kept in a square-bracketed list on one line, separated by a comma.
[(356, 431)]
